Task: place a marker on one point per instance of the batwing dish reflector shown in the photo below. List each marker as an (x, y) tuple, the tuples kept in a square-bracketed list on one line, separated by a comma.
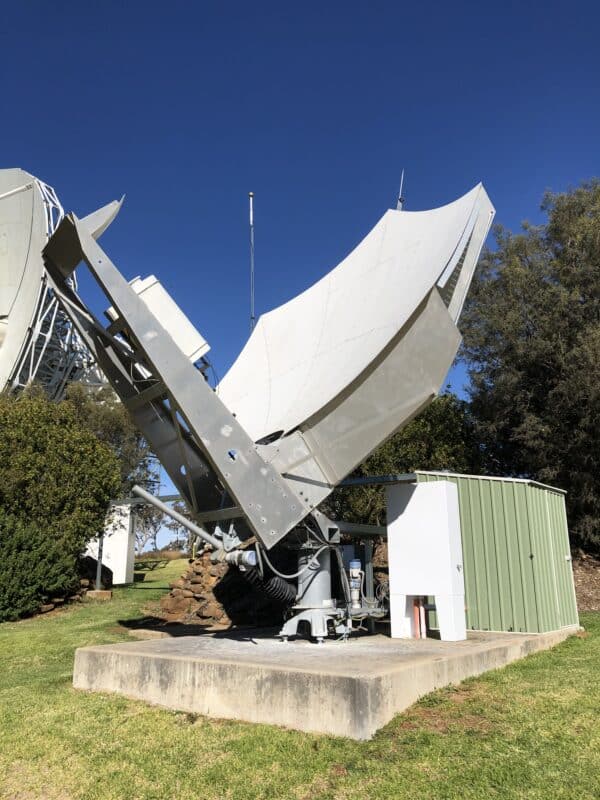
[(327, 377), (308, 351), (37, 339)]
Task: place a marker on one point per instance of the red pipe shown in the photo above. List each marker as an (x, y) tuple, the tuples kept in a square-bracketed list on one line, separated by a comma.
[(416, 618)]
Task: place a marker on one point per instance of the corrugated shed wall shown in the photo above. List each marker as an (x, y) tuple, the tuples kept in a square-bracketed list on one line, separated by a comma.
[(516, 555)]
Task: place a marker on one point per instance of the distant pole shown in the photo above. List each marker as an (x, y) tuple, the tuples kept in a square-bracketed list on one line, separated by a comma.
[(400, 202), (99, 562), (252, 316)]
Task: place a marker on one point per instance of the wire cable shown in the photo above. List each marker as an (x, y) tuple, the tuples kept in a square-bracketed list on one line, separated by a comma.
[(316, 532), (300, 571), (261, 570), (374, 601)]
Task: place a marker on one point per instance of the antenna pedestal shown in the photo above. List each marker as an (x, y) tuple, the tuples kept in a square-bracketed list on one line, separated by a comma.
[(314, 604)]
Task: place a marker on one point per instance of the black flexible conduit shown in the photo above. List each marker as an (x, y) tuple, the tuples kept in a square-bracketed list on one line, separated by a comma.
[(344, 580), (274, 587)]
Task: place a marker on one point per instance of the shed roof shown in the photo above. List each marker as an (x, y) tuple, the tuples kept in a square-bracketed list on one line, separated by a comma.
[(411, 477)]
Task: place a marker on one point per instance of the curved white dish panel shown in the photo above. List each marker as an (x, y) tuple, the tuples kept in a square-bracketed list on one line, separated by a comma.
[(305, 353), (23, 234)]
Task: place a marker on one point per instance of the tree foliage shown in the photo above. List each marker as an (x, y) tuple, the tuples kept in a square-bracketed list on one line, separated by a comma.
[(532, 341), (100, 411), (56, 481), (440, 438), (184, 539)]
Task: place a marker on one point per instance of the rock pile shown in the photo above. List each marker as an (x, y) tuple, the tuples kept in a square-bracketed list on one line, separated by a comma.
[(217, 594), (76, 597), (191, 597)]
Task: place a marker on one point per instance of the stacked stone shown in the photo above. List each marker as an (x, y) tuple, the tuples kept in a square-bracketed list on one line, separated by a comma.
[(216, 594), (55, 602), (191, 597)]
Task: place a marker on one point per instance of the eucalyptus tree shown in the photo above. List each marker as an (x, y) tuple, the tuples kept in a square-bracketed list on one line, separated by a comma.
[(532, 343)]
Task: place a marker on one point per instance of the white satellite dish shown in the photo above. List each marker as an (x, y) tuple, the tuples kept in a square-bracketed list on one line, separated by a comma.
[(322, 381), (37, 339), (304, 354)]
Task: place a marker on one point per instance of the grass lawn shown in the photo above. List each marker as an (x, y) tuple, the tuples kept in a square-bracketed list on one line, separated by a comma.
[(531, 730)]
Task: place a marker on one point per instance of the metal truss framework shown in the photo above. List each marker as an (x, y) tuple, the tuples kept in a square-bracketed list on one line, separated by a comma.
[(54, 353)]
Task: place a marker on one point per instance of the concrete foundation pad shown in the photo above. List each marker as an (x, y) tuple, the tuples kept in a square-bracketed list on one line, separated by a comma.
[(342, 688)]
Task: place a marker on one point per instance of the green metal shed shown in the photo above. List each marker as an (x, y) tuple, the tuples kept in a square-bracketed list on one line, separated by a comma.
[(516, 555)]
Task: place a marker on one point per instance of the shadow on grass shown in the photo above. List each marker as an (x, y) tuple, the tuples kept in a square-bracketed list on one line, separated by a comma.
[(149, 587), (159, 628), (156, 627)]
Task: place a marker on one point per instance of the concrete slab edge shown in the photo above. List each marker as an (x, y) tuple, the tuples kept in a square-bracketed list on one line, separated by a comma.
[(340, 705)]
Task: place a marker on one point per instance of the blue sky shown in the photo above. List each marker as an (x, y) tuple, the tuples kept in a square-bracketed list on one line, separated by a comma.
[(316, 107)]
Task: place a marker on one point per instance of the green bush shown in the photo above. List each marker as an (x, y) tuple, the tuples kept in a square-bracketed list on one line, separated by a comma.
[(56, 481), (34, 567)]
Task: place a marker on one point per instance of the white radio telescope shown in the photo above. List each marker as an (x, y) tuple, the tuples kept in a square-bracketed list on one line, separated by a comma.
[(37, 339)]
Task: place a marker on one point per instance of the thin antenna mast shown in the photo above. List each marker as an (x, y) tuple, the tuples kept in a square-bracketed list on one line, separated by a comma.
[(400, 201), (252, 316)]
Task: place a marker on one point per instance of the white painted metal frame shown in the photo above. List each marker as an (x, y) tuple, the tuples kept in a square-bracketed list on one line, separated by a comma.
[(51, 352)]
